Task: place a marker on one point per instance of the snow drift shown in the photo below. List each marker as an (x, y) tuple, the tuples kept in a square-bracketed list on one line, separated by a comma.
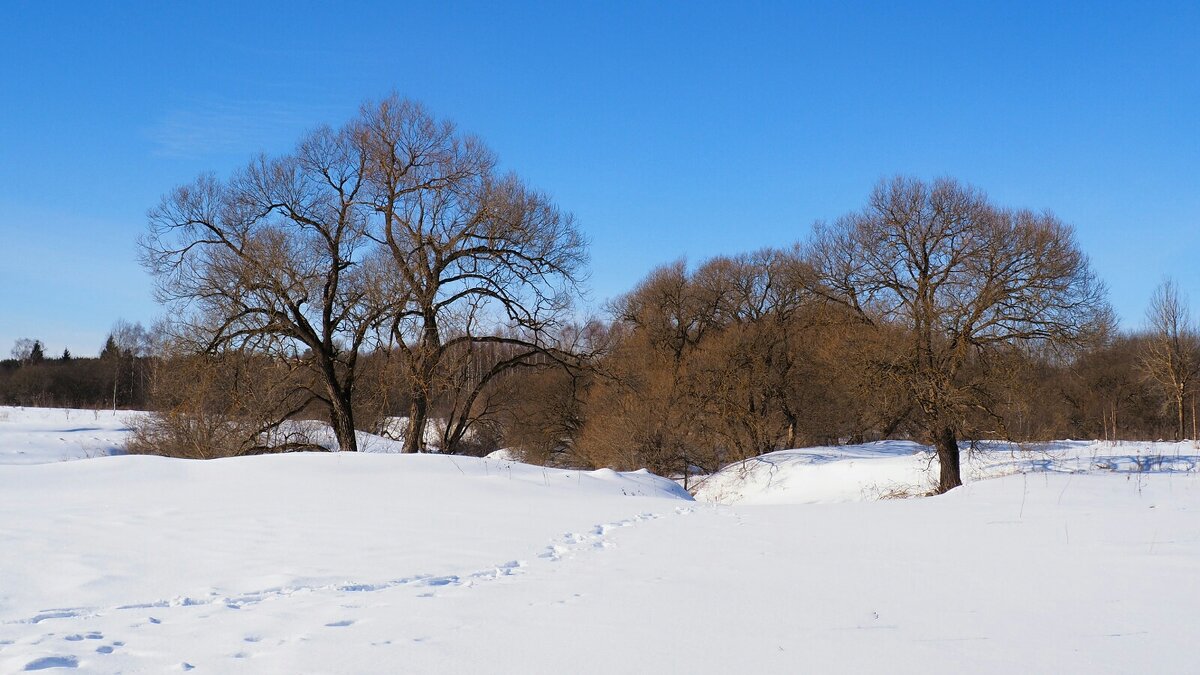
[(1077, 561)]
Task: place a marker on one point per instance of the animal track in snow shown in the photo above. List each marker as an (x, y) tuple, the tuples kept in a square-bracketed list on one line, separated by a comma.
[(595, 538), (53, 614), (52, 662), (504, 569)]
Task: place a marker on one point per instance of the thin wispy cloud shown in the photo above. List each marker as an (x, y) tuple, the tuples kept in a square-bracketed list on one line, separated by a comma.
[(222, 126)]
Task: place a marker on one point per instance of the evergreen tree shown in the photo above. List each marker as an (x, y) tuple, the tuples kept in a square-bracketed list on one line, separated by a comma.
[(111, 350)]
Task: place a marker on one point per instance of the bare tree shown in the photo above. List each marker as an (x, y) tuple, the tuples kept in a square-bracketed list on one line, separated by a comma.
[(273, 261), (961, 279), (728, 361), (127, 344), (475, 259), (543, 414), (639, 412), (24, 349), (643, 410), (1107, 394), (397, 223), (744, 369), (1172, 348)]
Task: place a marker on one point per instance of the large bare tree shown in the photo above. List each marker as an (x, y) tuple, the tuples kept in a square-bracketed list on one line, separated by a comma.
[(273, 261), (395, 225), (482, 268), (963, 280), (1172, 348)]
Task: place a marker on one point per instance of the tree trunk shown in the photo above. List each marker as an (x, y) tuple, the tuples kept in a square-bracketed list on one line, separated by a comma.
[(414, 437), (791, 430), (341, 418), (946, 444), (421, 382), (1179, 414)]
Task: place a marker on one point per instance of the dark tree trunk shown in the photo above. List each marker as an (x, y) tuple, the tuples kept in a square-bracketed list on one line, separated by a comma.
[(946, 444), (341, 409), (341, 418), (790, 442), (423, 369), (414, 437), (1179, 414)]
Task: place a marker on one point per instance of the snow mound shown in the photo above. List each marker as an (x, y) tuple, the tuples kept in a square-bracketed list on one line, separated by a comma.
[(821, 474), (503, 455), (904, 468)]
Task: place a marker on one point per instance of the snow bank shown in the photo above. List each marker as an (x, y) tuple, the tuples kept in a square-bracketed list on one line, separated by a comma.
[(903, 468), (821, 474), (504, 455)]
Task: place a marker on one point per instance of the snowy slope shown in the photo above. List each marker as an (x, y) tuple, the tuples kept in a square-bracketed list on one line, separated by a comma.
[(113, 545), (903, 468), (383, 563)]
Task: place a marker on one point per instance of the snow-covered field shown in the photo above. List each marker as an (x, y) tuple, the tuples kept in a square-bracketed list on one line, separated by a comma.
[(1081, 557), (40, 435)]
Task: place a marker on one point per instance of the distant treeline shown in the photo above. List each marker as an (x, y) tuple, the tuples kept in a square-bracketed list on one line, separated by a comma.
[(119, 378)]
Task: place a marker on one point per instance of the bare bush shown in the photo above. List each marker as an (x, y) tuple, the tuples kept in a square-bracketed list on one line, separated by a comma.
[(221, 405)]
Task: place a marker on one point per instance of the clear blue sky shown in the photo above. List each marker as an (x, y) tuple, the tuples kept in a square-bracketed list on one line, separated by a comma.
[(687, 129)]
